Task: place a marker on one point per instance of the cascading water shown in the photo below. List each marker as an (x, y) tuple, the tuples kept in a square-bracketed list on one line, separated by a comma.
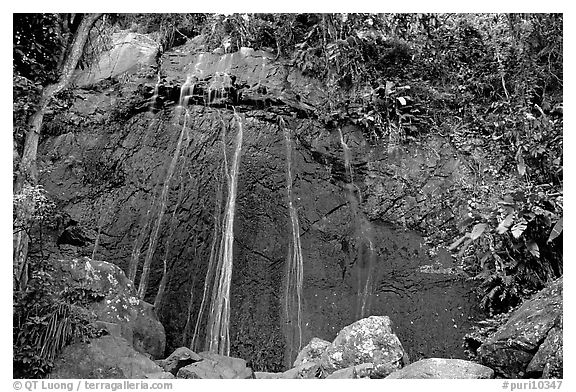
[(347, 160), (163, 200), (363, 234), (211, 262), (294, 261), (218, 337), (155, 94), (219, 270)]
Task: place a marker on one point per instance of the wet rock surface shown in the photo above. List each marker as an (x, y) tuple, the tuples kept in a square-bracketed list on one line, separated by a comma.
[(180, 358), (443, 368), (367, 340), (214, 366), (120, 311), (104, 357), (530, 343), (363, 370), (129, 53), (312, 351), (109, 174)]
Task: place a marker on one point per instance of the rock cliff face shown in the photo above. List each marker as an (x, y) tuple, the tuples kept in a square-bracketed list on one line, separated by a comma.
[(105, 159)]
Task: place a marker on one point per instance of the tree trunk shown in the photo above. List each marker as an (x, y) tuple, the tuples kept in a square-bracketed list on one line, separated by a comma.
[(27, 172)]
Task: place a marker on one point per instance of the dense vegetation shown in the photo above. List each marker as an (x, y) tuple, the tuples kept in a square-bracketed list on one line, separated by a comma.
[(491, 83)]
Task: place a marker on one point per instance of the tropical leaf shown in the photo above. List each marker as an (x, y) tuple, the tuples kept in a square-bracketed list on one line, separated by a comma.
[(521, 166), (477, 230), (556, 230), (505, 224), (533, 249), (519, 228)]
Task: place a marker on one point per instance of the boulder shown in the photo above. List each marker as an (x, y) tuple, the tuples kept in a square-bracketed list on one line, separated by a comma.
[(306, 370), (160, 375), (443, 368), (216, 366), (120, 312), (104, 357), (267, 375), (236, 364), (370, 340), (312, 351), (364, 370), (206, 369), (513, 351), (181, 357), (548, 361)]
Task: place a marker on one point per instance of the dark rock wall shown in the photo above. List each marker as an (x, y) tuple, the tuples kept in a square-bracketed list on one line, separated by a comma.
[(109, 161)]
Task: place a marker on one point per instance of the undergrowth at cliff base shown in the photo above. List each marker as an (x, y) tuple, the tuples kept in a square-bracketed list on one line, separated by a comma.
[(46, 319)]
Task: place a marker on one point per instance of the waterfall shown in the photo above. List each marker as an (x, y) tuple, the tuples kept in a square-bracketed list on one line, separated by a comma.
[(218, 338), (347, 159), (156, 92), (213, 256), (166, 264), (363, 233), (162, 209), (294, 261)]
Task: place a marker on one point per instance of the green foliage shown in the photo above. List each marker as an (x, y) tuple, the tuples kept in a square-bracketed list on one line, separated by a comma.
[(46, 319), (37, 46), (31, 204), (26, 95), (521, 248), (492, 83), (171, 29)]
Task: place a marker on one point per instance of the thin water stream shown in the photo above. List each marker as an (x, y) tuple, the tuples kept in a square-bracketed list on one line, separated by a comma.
[(163, 200), (218, 338), (363, 235), (295, 262)]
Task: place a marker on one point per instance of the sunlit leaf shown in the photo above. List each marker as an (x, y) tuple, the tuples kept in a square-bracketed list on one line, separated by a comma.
[(402, 100), (556, 230), (521, 166), (389, 87), (505, 224), (519, 228), (533, 249), (478, 230)]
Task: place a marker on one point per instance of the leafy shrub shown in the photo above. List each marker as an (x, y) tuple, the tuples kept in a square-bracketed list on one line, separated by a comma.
[(46, 319), (33, 204)]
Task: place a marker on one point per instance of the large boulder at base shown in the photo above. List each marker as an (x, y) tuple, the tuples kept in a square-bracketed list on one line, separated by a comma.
[(549, 361), (364, 370), (312, 351), (529, 343), (443, 368), (104, 357), (161, 375), (305, 370), (181, 357), (268, 375), (370, 340), (216, 366), (120, 311)]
